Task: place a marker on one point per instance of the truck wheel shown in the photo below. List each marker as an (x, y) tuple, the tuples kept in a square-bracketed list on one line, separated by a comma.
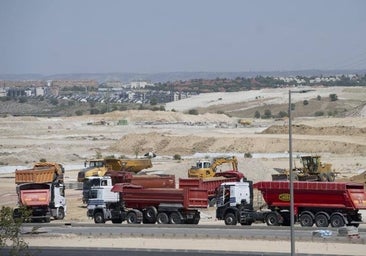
[(60, 214), (99, 217), (337, 221), (162, 218), (176, 218), (150, 214), (131, 218), (306, 220), (230, 219), (272, 219), (321, 220)]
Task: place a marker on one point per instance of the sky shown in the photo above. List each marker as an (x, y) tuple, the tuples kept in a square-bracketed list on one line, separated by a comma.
[(152, 36)]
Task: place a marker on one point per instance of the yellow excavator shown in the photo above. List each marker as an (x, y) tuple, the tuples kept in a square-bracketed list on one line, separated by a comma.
[(98, 167), (312, 170), (207, 169)]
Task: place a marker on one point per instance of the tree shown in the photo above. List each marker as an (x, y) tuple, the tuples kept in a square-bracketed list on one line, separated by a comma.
[(333, 97), (193, 112), (319, 97), (293, 106), (267, 113), (10, 235), (257, 114), (306, 102), (153, 101)]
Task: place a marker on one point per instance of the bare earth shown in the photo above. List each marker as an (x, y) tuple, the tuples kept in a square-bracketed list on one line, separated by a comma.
[(71, 140)]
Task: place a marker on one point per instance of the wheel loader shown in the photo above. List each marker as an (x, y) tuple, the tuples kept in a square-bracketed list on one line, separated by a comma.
[(312, 170)]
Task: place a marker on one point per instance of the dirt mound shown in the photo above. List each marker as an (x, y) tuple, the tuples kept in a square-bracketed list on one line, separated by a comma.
[(169, 144), (134, 116), (308, 130)]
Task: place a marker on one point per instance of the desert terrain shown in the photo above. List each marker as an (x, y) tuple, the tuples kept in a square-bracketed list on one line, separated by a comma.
[(72, 140)]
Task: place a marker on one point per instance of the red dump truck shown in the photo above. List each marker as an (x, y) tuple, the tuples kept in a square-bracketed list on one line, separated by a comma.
[(319, 203), (210, 184), (114, 177), (41, 191), (135, 204)]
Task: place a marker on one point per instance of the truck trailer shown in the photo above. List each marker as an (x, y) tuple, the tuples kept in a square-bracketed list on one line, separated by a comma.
[(41, 192), (135, 204), (210, 184), (320, 203)]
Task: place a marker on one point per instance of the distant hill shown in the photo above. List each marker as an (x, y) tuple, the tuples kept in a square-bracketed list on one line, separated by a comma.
[(173, 76)]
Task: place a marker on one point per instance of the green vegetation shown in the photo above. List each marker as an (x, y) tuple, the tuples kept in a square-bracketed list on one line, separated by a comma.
[(10, 232)]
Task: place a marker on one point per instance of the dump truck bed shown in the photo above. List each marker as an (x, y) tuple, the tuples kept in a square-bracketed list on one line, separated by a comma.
[(209, 184), (314, 194), (139, 197), (146, 181), (40, 173)]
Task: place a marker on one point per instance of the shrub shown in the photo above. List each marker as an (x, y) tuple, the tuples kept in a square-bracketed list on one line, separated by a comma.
[(319, 113), (248, 155), (177, 157), (79, 112), (10, 232), (333, 97), (193, 112)]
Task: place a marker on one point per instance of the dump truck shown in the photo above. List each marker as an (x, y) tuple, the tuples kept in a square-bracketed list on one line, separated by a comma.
[(207, 169), (320, 203), (135, 204), (312, 170), (41, 192), (98, 167), (114, 177), (210, 184)]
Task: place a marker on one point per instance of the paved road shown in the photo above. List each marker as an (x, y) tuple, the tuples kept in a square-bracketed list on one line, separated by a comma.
[(138, 252), (185, 231)]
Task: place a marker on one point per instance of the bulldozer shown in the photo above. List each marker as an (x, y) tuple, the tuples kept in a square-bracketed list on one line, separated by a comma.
[(312, 170), (207, 169)]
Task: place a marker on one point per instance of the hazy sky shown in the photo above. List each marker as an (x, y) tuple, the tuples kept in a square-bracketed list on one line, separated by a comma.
[(148, 36)]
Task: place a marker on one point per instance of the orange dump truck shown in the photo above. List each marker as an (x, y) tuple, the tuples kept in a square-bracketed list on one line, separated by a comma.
[(41, 191)]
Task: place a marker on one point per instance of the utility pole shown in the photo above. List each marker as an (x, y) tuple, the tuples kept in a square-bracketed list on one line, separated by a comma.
[(292, 216)]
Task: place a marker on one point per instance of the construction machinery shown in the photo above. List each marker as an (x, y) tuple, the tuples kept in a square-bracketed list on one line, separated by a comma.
[(99, 167), (312, 170), (207, 169), (41, 192)]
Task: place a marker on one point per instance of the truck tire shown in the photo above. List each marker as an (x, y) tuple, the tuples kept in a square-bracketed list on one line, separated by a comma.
[(162, 218), (150, 214), (60, 214), (321, 219), (272, 219), (99, 217), (337, 220), (306, 219), (230, 219), (175, 218), (132, 218)]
